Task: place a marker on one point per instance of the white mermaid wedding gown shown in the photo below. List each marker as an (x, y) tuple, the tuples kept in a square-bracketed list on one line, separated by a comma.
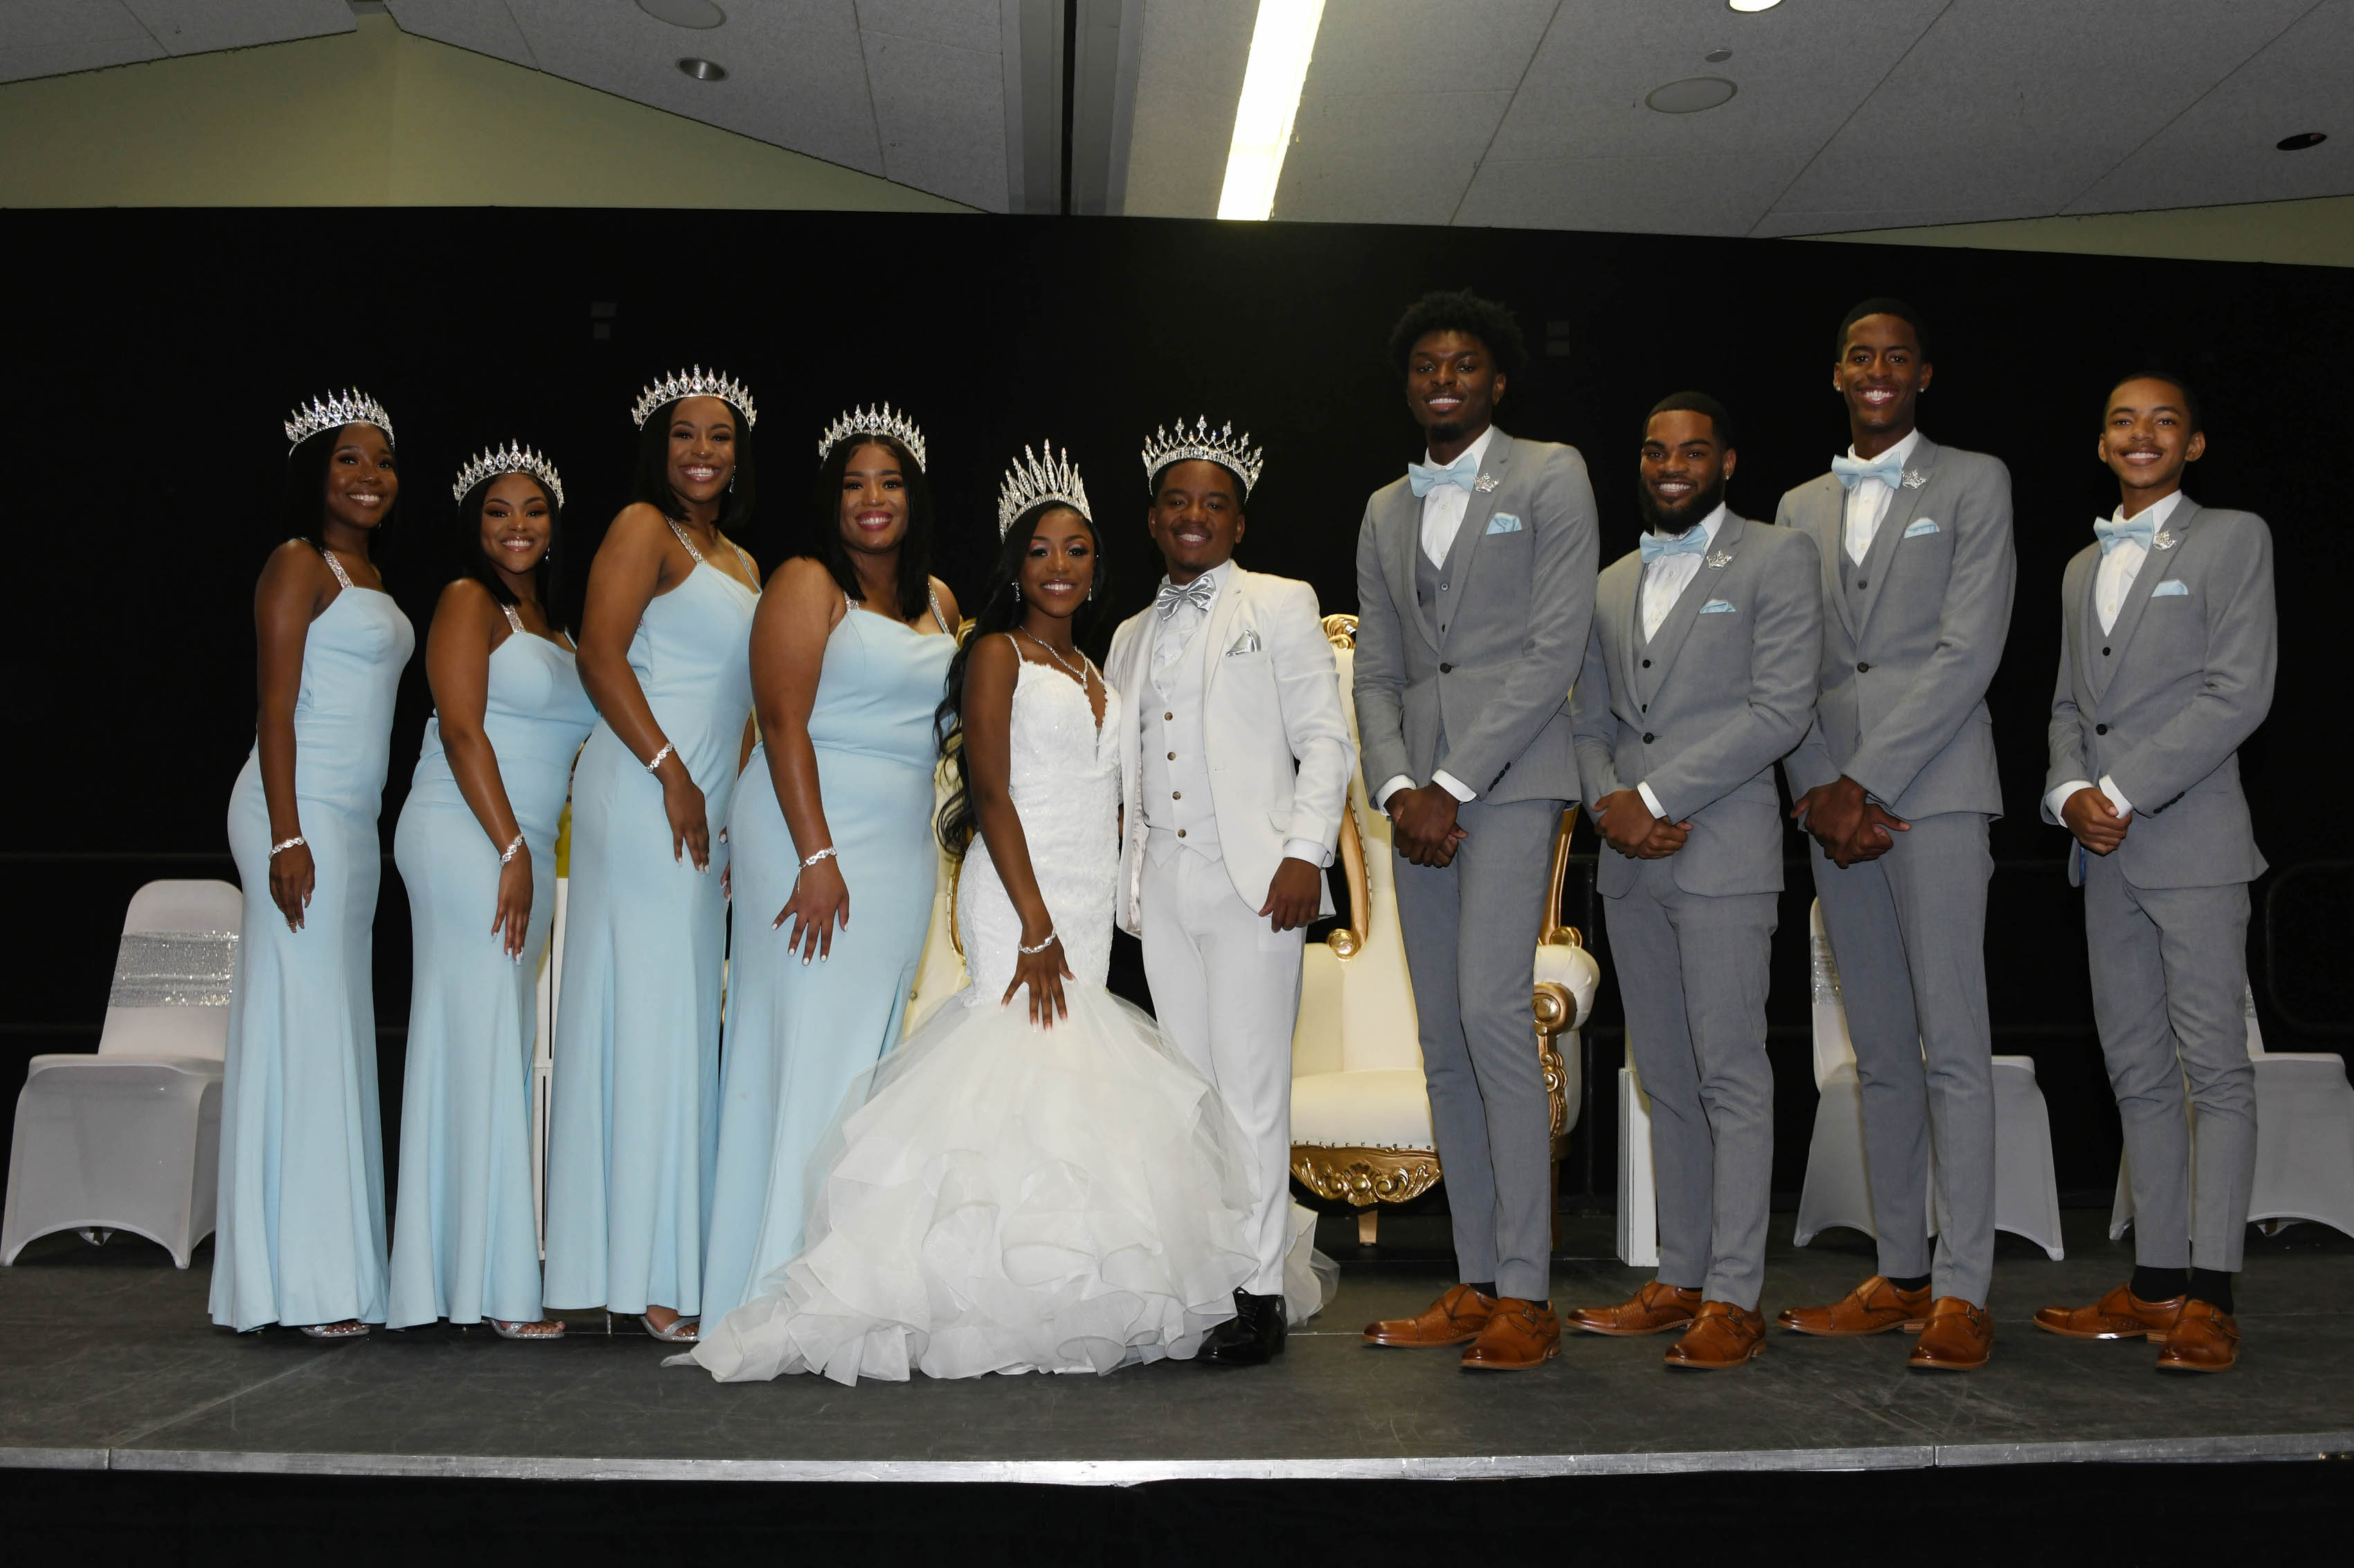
[(996, 1197)]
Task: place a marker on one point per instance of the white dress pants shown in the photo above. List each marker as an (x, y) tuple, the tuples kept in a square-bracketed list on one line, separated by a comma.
[(1226, 985)]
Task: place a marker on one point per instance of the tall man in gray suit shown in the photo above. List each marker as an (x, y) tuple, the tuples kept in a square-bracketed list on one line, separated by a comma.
[(2168, 648), (1475, 590), (1896, 784), (1700, 675)]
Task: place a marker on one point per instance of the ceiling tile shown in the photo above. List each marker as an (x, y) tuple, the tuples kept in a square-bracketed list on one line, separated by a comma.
[(1412, 47), (941, 113), (962, 24), (1721, 193), (1189, 79), (1352, 162), (66, 23), (2013, 108), (29, 60), (482, 26), (2221, 149), (194, 26)]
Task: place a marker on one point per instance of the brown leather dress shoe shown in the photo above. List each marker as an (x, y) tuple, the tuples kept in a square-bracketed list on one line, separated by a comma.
[(2205, 1339), (2119, 1314), (1521, 1336), (1723, 1336), (1874, 1306), (1653, 1309), (1959, 1338), (1455, 1318)]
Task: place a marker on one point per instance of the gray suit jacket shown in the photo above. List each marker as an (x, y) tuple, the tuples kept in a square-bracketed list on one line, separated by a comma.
[(1703, 711), (1493, 676), (1903, 709), (2162, 701)]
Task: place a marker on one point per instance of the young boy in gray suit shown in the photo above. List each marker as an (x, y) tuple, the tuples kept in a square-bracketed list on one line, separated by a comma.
[(2167, 651), (1700, 675)]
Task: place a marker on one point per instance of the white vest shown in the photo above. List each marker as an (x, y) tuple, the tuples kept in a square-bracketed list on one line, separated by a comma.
[(1178, 809)]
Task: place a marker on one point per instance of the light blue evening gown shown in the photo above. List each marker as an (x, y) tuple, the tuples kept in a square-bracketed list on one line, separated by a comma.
[(465, 1241), (798, 1035), (634, 1126), (300, 1236)]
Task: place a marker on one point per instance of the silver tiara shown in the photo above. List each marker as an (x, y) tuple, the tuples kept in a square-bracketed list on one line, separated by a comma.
[(1032, 479), (879, 421), (333, 413), (512, 458), (693, 384), (1235, 453)]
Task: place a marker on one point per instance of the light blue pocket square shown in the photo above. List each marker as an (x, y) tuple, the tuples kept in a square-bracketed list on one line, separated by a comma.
[(1717, 607), (2172, 588), (1503, 522), (1926, 525)]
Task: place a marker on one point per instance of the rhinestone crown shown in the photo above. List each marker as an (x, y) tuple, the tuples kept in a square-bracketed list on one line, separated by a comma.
[(513, 458), (1034, 479), (879, 421), (332, 412), (1232, 453), (695, 384)]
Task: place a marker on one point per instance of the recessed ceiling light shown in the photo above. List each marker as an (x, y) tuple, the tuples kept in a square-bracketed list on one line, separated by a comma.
[(1717, 55), (1283, 39), (703, 70), (2301, 140), (696, 14), (1752, 4), (1691, 95)]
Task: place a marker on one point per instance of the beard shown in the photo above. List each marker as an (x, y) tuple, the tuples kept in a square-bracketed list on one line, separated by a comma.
[(1659, 520)]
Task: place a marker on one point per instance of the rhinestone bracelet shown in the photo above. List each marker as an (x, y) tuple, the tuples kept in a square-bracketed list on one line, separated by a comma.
[(512, 850), (825, 854), (656, 766), (278, 849), (1039, 949)]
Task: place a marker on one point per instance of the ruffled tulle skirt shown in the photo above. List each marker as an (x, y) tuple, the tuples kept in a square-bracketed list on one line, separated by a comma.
[(995, 1197)]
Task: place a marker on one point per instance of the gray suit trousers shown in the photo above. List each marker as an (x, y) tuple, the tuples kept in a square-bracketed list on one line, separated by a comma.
[(1691, 970), (1908, 931), (2169, 980), (1470, 930)]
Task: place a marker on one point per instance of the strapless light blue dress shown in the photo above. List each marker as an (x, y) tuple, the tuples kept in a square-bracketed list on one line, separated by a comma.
[(633, 1125), (465, 1240), (798, 1035), (300, 1236)]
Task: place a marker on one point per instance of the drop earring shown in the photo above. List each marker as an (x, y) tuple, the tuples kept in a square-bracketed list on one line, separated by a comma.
[(1016, 586)]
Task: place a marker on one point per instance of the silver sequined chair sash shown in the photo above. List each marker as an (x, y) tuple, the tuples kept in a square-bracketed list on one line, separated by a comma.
[(174, 969)]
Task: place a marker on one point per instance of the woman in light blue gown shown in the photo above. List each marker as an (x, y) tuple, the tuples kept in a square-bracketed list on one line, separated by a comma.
[(476, 848), (850, 653), (300, 1228), (634, 1126)]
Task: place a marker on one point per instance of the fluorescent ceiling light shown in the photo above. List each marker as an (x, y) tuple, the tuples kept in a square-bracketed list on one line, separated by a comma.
[(1282, 43), (1752, 4)]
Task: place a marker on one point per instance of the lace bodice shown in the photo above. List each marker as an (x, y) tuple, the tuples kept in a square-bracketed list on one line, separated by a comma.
[(1066, 787)]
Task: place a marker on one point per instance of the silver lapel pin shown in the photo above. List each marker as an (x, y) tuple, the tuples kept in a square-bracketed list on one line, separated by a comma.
[(2163, 541), (1484, 483), (1720, 559), (1914, 479)]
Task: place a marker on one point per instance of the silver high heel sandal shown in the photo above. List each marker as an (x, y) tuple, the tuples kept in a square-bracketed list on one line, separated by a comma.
[(350, 1330), (682, 1330), (521, 1331)]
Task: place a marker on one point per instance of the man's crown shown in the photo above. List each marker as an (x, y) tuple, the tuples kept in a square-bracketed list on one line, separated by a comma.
[(1232, 453)]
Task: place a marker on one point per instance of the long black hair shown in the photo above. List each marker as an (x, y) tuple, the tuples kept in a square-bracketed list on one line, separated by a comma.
[(548, 577), (821, 537), (652, 484), (957, 822), (303, 499)]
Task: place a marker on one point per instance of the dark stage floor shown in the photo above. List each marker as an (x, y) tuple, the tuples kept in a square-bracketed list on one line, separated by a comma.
[(107, 1363)]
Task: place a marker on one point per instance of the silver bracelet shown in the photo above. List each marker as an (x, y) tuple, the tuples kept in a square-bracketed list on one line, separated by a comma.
[(278, 849), (656, 763), (512, 850), (825, 854), (1039, 949)]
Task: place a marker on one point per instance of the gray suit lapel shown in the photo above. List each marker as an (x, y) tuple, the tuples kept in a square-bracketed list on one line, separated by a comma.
[(1831, 539), (2092, 670), (2154, 565), (1477, 513), (1886, 541), (1697, 592), (1404, 537), (1625, 620)]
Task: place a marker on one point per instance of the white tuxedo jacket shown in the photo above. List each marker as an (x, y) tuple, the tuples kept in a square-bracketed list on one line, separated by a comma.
[(1273, 724)]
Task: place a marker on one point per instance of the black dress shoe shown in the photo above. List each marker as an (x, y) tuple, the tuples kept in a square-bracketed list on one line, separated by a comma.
[(1251, 1338)]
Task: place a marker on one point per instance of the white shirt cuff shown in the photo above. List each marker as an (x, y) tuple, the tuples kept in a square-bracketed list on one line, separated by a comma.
[(1454, 786), (2059, 793), (1652, 801), (2117, 801), (1382, 796), (1309, 850)]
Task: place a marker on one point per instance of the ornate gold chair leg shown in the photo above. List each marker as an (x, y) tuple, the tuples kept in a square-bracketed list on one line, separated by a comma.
[(1369, 1222)]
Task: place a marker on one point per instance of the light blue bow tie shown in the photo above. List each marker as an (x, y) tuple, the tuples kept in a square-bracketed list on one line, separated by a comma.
[(1852, 471), (1691, 542), (1425, 477), (2112, 533), (1197, 593)]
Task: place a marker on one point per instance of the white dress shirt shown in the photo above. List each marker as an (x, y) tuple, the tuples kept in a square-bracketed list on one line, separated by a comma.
[(2112, 580), (1664, 581), (1170, 640), (1866, 503), (1442, 518)]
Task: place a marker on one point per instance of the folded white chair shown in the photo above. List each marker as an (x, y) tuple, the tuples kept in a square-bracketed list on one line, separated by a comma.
[(1838, 1188), (2304, 1139), (128, 1137)]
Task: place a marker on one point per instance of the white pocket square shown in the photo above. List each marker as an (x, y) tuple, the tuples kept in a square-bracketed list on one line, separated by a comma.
[(2172, 588), (1503, 522), (1248, 642), (1926, 525), (1717, 607)]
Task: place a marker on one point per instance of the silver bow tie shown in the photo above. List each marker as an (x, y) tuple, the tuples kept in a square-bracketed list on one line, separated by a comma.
[(1197, 593)]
